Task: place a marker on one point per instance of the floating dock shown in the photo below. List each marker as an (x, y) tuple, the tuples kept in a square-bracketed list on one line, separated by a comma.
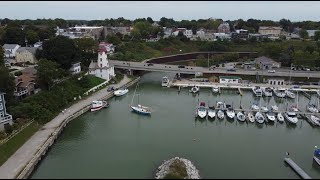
[(296, 168), (306, 94)]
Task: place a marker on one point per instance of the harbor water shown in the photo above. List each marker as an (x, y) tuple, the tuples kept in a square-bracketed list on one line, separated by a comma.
[(117, 143)]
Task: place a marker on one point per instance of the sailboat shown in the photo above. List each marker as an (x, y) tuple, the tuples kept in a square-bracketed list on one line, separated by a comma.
[(139, 108)]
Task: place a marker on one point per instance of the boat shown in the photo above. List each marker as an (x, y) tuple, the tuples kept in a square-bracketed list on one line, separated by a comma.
[(259, 117), (280, 117), (140, 109), (264, 109), (316, 156), (290, 94), (250, 117), (230, 113), (267, 92), (215, 89), (257, 91), (220, 105), (194, 89), (211, 112), (220, 114), (294, 108), (240, 116), (279, 92), (318, 93), (97, 105), (291, 117), (271, 116), (165, 81), (201, 111), (315, 120), (255, 107), (274, 108), (121, 92), (312, 108)]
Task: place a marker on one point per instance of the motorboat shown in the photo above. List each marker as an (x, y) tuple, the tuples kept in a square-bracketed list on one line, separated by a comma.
[(257, 91), (259, 117), (215, 89), (315, 120), (274, 108), (280, 92), (211, 112), (121, 92), (290, 94), (165, 81), (220, 105), (271, 116), (194, 89), (264, 109), (316, 156), (202, 111), (97, 105), (141, 109), (250, 117), (267, 92), (294, 108), (241, 117), (280, 117), (220, 114), (291, 117), (255, 107), (312, 108), (230, 113)]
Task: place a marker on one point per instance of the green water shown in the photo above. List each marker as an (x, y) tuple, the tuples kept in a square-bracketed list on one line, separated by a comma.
[(117, 143)]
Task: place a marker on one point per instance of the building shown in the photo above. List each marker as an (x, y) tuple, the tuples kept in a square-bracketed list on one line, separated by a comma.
[(186, 32), (242, 33), (229, 79), (114, 30), (101, 67), (5, 118), (266, 63), (224, 28), (26, 54), (75, 68), (276, 81), (292, 36), (247, 66), (259, 37), (311, 32), (110, 48), (93, 32), (10, 50), (25, 85), (38, 44), (270, 30), (221, 36)]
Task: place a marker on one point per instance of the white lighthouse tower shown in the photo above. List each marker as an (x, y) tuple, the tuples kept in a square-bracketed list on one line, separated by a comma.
[(101, 67)]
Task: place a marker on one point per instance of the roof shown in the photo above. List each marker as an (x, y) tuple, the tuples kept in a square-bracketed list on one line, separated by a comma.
[(10, 46), (264, 60), (24, 80), (270, 28), (230, 77), (30, 49)]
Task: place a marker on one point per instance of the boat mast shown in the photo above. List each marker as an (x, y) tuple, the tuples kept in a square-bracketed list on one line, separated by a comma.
[(134, 93)]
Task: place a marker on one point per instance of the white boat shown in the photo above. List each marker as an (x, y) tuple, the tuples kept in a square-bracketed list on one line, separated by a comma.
[(312, 108), (165, 81), (97, 105), (318, 93), (271, 116), (316, 156), (280, 92), (255, 107), (241, 117), (315, 120), (291, 117), (202, 111), (221, 105), (215, 89), (211, 112), (194, 89), (280, 117), (290, 94), (230, 113), (144, 110), (294, 108), (220, 114), (267, 92), (121, 92), (257, 91), (264, 109), (274, 108), (250, 117), (259, 117)]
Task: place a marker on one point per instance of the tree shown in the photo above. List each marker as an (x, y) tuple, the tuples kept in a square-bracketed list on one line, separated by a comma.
[(286, 24), (317, 36), (32, 36), (303, 34), (14, 35), (113, 39), (7, 84), (1, 57), (141, 30), (149, 19), (47, 73)]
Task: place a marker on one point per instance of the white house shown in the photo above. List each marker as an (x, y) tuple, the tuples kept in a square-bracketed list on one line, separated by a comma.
[(75, 68), (229, 79), (222, 36), (188, 33), (10, 50), (101, 67), (5, 118)]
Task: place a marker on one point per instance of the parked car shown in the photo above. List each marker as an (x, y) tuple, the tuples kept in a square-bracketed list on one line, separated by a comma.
[(271, 71), (150, 64), (231, 69), (181, 66), (111, 88)]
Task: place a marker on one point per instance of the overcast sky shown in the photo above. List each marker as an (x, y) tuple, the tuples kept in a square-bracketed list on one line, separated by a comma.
[(89, 10)]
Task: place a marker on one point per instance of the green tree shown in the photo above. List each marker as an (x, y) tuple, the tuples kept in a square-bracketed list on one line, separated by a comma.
[(149, 19), (141, 30), (113, 39), (303, 34), (316, 35), (32, 36), (7, 84), (14, 35), (47, 73), (1, 57)]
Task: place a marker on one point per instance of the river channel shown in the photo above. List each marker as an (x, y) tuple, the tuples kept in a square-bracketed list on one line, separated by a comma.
[(117, 143)]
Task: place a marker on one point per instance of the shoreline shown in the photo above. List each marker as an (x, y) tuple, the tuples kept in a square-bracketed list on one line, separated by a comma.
[(22, 163)]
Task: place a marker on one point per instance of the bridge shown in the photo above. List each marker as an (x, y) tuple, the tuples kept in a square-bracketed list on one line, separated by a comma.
[(203, 70)]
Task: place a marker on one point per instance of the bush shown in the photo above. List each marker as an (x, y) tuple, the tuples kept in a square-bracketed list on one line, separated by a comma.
[(18, 73), (8, 128)]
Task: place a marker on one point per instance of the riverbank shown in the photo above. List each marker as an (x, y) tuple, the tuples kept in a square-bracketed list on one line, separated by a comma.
[(22, 162)]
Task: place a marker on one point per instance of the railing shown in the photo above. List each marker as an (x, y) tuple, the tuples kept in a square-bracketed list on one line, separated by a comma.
[(6, 118), (96, 87), (20, 93)]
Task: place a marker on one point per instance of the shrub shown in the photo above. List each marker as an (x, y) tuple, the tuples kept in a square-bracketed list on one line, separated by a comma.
[(8, 128)]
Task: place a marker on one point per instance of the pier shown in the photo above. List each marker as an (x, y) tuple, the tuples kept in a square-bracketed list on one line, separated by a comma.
[(306, 94), (296, 168)]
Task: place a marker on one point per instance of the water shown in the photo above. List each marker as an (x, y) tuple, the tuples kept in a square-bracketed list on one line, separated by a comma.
[(117, 143)]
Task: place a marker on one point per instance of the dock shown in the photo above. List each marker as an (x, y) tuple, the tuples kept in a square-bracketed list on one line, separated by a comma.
[(306, 94), (240, 92), (296, 168)]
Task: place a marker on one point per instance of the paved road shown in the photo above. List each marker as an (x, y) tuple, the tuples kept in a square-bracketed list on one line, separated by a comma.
[(25, 153), (193, 69)]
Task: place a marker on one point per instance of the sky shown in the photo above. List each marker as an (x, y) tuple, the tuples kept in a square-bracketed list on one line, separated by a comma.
[(178, 10)]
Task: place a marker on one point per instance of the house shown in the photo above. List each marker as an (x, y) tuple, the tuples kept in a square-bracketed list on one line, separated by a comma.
[(186, 32), (292, 36), (26, 54), (38, 44), (266, 63), (10, 50), (247, 66), (224, 28), (276, 81), (242, 33), (75, 68), (25, 84), (273, 31), (5, 118), (259, 37), (167, 32), (311, 32), (229, 79), (221, 36), (101, 67), (93, 32)]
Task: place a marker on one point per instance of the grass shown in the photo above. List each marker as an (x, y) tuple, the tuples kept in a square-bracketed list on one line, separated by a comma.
[(10, 147)]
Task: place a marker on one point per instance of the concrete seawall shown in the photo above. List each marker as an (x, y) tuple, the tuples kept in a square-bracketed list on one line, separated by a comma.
[(22, 163)]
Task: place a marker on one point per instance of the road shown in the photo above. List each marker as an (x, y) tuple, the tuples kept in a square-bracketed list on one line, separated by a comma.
[(193, 70)]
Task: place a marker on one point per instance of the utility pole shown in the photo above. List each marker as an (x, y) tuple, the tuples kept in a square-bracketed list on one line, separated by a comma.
[(208, 61), (290, 73)]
